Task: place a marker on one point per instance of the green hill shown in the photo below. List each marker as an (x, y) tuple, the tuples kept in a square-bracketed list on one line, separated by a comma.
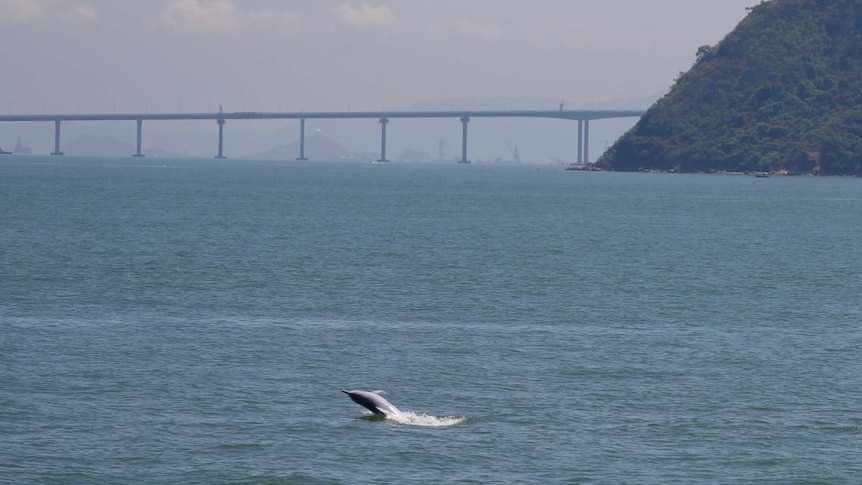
[(783, 91)]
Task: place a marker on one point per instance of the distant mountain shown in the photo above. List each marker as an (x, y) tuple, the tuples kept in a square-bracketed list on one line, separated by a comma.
[(782, 92), (410, 155), (160, 153), (99, 146), (317, 147)]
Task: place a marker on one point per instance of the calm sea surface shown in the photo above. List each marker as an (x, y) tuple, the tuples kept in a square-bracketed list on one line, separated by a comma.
[(193, 322)]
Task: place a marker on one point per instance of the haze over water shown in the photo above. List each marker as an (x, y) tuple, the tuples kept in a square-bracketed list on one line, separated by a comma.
[(193, 321)]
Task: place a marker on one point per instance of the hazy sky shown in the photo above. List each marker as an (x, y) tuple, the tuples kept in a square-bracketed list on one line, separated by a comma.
[(293, 55)]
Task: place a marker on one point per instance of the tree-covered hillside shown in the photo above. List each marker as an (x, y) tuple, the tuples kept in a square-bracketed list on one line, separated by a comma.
[(783, 91)]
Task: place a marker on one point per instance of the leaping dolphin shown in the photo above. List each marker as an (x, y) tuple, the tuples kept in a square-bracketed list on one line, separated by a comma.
[(373, 402)]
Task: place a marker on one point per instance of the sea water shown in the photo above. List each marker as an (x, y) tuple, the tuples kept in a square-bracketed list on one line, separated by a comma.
[(194, 322)]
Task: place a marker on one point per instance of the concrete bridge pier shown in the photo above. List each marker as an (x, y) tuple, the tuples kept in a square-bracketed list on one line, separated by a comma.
[(138, 151), (586, 141), (56, 138), (583, 142), (301, 140), (580, 159), (464, 121), (383, 122), (221, 123)]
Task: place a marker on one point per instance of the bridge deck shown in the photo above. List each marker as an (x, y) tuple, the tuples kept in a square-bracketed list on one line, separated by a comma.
[(583, 117), (557, 114)]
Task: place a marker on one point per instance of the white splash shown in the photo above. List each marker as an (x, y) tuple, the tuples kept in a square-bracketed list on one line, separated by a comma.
[(412, 419)]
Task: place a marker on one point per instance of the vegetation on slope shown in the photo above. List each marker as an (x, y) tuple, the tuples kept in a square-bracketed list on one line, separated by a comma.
[(783, 91)]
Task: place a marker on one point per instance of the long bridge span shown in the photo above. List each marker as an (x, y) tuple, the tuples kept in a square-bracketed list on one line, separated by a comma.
[(583, 117)]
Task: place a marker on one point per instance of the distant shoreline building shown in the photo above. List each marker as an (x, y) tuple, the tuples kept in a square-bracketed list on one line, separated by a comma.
[(19, 148)]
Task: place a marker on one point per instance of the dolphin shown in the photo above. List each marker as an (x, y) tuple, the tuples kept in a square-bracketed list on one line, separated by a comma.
[(373, 402)]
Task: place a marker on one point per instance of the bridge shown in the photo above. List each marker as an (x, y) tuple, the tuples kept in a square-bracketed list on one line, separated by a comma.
[(583, 117)]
